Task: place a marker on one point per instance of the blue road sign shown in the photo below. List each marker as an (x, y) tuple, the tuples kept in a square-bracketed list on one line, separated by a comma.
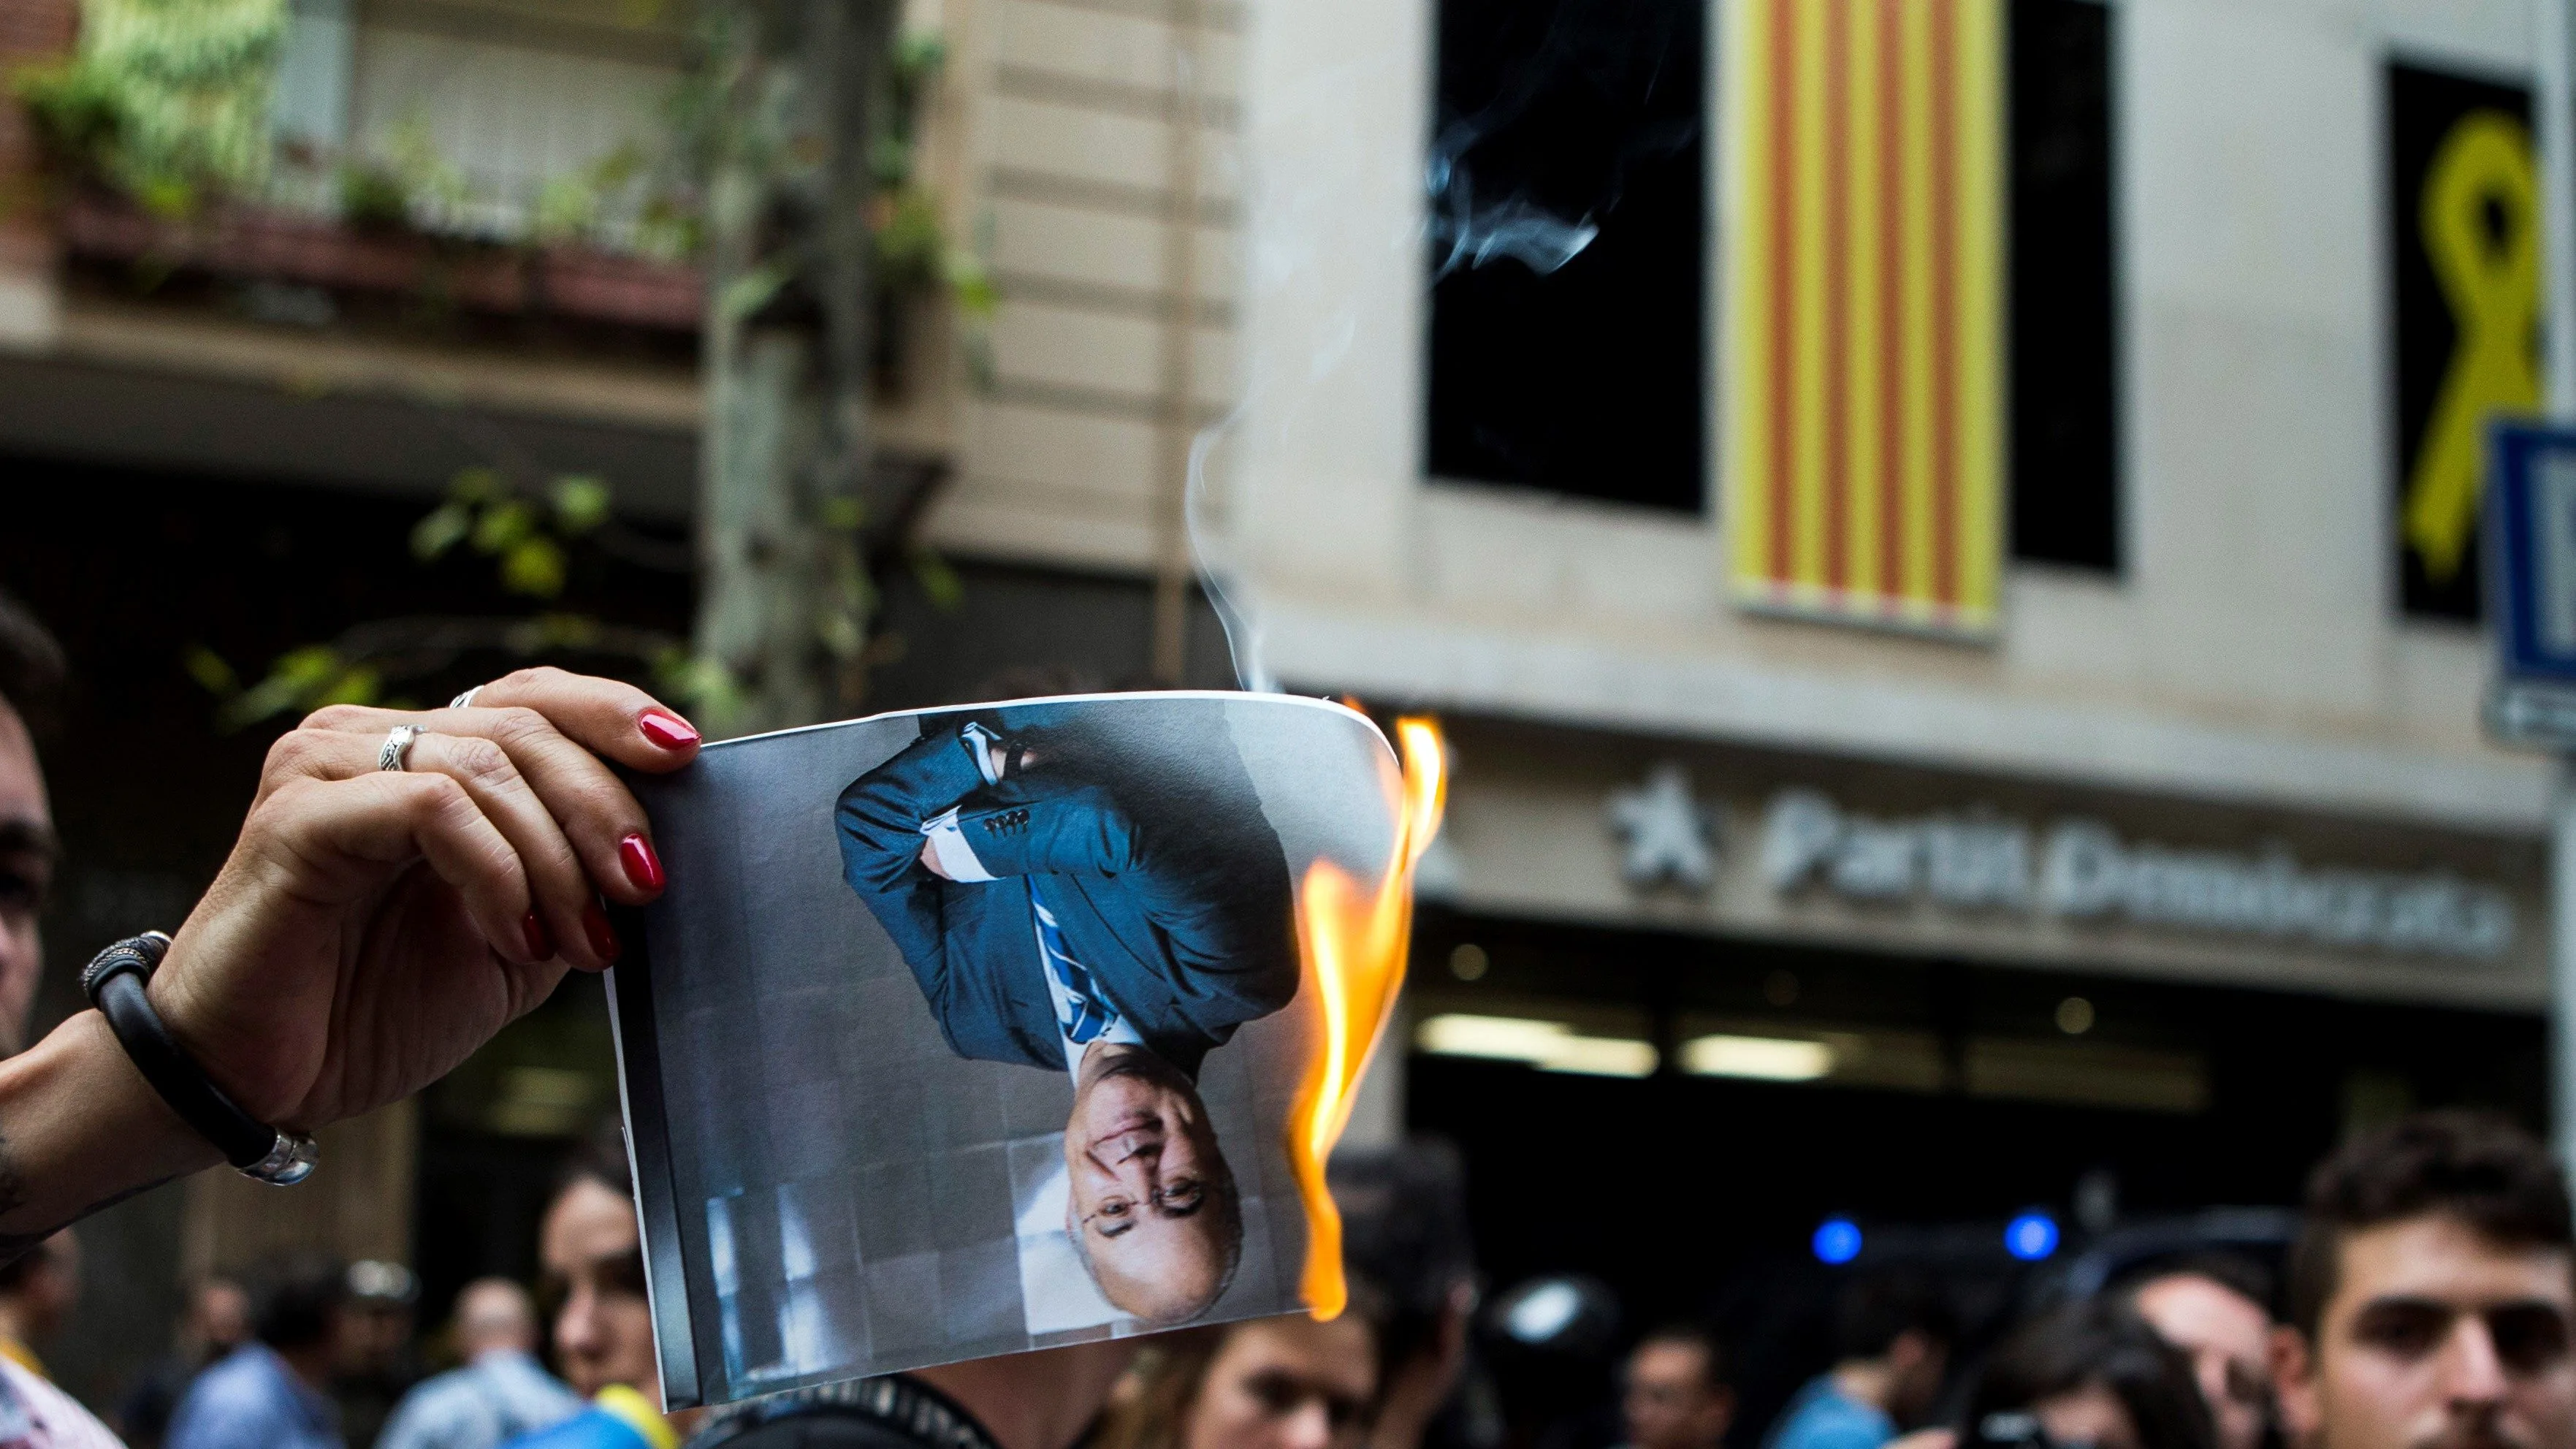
[(2531, 582)]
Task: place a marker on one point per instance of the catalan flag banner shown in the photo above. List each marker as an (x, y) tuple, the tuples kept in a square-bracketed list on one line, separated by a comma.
[(1864, 378)]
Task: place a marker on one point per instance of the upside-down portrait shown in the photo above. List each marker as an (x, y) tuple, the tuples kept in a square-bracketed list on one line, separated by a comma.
[(1072, 898)]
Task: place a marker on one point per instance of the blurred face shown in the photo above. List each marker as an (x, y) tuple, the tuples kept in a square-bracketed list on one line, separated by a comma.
[(223, 1316), (1916, 1364), (26, 873), (2437, 1338), (1287, 1383), (2090, 1415), (372, 1336), (1670, 1403), (1144, 1168), (594, 1267), (2228, 1337), (52, 1287)]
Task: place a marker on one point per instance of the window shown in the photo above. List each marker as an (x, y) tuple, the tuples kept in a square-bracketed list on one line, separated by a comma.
[(2065, 417), (1569, 248)]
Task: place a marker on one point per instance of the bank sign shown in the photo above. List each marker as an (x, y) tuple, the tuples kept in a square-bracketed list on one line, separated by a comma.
[(2080, 869)]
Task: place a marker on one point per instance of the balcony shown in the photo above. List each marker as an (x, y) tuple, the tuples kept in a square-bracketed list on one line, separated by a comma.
[(273, 248)]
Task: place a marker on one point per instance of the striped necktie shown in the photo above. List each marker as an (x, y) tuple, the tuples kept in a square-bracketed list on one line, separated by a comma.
[(1090, 1014)]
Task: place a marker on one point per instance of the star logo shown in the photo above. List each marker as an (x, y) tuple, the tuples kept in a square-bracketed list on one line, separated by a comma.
[(1666, 836)]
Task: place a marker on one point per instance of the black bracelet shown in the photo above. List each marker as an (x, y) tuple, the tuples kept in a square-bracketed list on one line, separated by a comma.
[(114, 984)]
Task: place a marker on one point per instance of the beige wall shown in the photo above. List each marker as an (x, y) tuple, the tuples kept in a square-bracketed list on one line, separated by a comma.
[(1071, 169)]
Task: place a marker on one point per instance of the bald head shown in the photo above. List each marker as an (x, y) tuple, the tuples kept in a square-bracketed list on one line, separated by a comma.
[(1151, 1207), (494, 1313)]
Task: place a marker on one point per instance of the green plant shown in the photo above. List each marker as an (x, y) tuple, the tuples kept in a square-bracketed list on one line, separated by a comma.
[(372, 197), (166, 100), (529, 532), (569, 208)]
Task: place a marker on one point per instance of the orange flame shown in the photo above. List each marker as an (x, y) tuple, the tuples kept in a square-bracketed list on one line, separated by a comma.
[(1354, 941)]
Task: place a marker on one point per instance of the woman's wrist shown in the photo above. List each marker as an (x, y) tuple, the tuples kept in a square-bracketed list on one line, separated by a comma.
[(59, 1100)]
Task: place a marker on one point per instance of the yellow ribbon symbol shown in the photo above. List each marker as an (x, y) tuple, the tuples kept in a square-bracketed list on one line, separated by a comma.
[(2491, 277)]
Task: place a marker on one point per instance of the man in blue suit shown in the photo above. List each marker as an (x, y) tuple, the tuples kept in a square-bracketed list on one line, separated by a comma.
[(1093, 889)]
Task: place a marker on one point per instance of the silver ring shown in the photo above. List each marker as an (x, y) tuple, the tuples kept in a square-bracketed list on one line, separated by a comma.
[(465, 700), (397, 747)]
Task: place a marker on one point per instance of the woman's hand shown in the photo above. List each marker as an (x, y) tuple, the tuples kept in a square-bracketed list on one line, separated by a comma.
[(372, 928)]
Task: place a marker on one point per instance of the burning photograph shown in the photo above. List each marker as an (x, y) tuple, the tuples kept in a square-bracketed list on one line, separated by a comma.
[(1081, 895), (976, 1030)]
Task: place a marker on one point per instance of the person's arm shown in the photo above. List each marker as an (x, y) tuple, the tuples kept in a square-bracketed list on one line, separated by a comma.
[(1044, 827), (369, 930), (880, 814), (878, 821)]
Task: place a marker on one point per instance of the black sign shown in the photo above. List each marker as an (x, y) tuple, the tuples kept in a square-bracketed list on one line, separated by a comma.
[(2464, 228)]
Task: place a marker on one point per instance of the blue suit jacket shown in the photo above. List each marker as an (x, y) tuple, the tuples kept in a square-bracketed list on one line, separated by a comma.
[(1149, 848)]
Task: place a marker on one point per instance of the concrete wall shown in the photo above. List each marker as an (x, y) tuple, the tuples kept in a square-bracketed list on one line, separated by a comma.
[(1074, 169)]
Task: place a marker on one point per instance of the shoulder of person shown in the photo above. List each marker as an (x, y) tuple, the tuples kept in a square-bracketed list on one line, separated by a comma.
[(66, 1424), (820, 1429)]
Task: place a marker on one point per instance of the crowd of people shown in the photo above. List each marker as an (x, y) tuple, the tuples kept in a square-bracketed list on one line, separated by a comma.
[(407, 882), (2427, 1304)]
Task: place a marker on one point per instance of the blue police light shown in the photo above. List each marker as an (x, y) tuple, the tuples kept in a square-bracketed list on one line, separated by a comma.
[(2031, 1237), (1837, 1240)]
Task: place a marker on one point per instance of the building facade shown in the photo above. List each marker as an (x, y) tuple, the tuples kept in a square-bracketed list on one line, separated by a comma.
[(2020, 722)]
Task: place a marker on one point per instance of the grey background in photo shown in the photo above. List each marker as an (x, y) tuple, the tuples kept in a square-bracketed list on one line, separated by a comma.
[(850, 1197)]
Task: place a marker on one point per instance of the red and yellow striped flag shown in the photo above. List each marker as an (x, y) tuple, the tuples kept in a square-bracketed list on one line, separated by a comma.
[(1864, 391)]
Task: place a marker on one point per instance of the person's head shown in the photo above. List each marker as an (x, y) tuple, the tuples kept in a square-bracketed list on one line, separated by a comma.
[(31, 671), (376, 1319), (1405, 1237), (494, 1315), (41, 1285), (1266, 1383), (2431, 1294), (1676, 1395), (593, 1258), (218, 1317), (295, 1307), (1152, 1209), (2089, 1373), (2216, 1310), (1900, 1323)]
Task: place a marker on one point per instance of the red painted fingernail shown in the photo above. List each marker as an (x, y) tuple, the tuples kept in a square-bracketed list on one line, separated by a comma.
[(594, 924), (642, 866), (541, 942), (666, 730)]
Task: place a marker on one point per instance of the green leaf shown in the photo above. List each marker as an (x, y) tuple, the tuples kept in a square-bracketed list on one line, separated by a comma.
[(840, 631), (503, 525), (920, 54), (566, 210), (443, 528), (752, 290), (841, 513), (360, 685), (534, 566), (477, 484), (568, 631), (211, 672), (701, 683), (581, 502), (298, 680), (306, 667), (937, 580)]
